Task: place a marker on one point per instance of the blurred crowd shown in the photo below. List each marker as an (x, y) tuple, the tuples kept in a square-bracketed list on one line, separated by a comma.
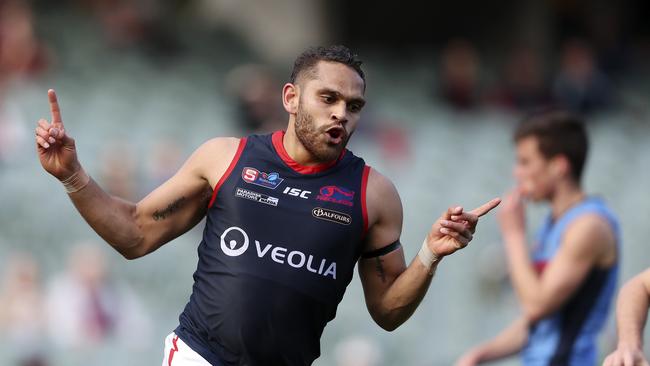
[(575, 74), (74, 312), (524, 82)]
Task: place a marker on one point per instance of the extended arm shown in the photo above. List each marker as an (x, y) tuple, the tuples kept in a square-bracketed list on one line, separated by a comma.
[(392, 290), (134, 229), (509, 342), (631, 315)]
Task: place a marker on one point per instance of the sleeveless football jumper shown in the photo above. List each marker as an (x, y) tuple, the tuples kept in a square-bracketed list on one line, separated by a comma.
[(568, 336), (279, 248)]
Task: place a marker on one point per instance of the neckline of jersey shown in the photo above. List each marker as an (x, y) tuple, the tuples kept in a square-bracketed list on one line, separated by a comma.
[(277, 140)]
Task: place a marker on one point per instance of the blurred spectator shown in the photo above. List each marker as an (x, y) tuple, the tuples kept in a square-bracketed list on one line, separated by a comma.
[(459, 84), (21, 53), (580, 86), (141, 23), (522, 86), (118, 170), (255, 89), (22, 313), (358, 351), (88, 307)]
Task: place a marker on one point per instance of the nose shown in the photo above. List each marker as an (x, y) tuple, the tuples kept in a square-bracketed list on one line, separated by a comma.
[(339, 113)]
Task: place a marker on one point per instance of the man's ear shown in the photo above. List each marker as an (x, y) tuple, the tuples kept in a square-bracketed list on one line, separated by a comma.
[(560, 166), (290, 98)]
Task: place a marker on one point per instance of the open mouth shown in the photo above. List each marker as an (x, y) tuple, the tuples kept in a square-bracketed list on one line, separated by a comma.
[(336, 134)]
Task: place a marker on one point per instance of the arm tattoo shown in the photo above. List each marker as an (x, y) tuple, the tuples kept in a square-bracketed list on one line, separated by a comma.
[(380, 269), (173, 207)]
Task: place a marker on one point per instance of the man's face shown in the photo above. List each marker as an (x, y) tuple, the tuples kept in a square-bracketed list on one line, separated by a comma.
[(329, 109), (533, 172)]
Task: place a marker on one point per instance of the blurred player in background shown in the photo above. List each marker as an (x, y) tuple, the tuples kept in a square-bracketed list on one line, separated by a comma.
[(566, 284)]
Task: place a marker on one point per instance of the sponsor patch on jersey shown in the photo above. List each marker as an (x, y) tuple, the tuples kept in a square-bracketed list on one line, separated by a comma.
[(237, 243), (336, 194), (331, 215), (257, 197), (262, 179), (297, 192)]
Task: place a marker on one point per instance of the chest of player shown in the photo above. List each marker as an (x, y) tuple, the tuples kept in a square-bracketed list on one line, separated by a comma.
[(266, 194), (283, 211), (302, 230)]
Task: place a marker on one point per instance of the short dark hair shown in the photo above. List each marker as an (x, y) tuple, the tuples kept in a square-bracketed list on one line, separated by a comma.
[(558, 133), (306, 61)]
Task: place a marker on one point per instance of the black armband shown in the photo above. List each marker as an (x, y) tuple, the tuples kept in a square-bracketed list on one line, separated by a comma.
[(382, 251)]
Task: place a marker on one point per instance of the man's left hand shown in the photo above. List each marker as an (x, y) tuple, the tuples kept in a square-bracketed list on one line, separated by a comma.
[(455, 228), (511, 216)]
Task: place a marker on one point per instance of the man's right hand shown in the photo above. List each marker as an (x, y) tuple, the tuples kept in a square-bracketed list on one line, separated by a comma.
[(56, 150), (626, 356)]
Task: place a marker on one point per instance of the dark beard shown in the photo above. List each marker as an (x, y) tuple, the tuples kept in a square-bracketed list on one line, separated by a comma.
[(309, 137)]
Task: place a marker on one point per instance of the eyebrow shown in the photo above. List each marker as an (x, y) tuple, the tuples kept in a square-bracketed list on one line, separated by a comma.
[(358, 100)]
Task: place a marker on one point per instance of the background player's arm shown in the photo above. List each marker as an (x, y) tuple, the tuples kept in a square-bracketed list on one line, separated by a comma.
[(507, 343), (392, 290), (589, 242), (631, 315), (134, 229)]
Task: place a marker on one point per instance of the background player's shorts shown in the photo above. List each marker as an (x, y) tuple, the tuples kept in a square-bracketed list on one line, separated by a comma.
[(177, 353)]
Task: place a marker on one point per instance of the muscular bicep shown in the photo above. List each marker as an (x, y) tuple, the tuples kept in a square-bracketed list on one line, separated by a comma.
[(588, 244), (172, 209), (377, 273), (382, 260), (181, 202)]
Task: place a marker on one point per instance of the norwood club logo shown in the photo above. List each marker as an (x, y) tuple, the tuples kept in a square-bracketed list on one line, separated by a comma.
[(331, 215), (266, 180), (336, 194), (235, 242)]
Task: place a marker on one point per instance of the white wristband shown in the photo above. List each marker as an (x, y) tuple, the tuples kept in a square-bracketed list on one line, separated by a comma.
[(427, 257), (76, 182)]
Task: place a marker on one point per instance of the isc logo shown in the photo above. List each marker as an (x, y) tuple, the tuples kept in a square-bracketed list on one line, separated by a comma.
[(297, 192)]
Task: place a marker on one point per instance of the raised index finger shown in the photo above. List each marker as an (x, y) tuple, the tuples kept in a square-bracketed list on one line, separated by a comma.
[(54, 107), (487, 207)]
